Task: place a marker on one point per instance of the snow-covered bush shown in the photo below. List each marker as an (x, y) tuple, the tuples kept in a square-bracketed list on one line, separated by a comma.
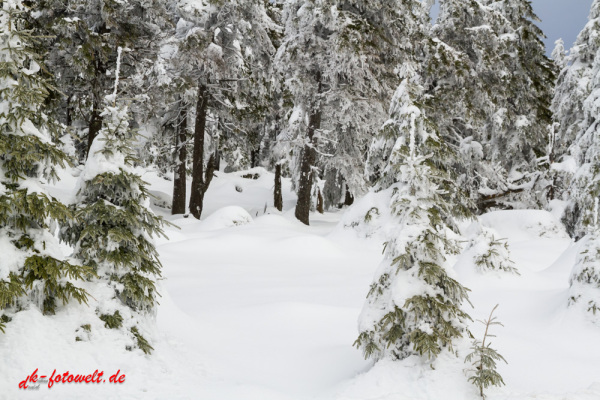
[(490, 253)]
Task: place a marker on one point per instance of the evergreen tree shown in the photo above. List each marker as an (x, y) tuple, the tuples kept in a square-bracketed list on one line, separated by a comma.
[(462, 69), (83, 52), (32, 267), (113, 235), (585, 277), (576, 110), (484, 359), (559, 56), (489, 51), (490, 253), (338, 60), (584, 190), (168, 106), (528, 116), (573, 85), (414, 305)]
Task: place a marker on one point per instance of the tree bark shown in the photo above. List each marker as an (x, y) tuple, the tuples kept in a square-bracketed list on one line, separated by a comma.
[(180, 178), (217, 158), (94, 126), (69, 121), (277, 193), (200, 178), (95, 123), (349, 198), (254, 158), (320, 208), (308, 161)]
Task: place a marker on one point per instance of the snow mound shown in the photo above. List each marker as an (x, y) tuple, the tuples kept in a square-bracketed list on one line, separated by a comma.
[(369, 216), (227, 217), (161, 199), (274, 221), (523, 225), (563, 266)]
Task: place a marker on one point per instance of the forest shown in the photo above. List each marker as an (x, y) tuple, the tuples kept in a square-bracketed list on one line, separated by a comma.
[(170, 162)]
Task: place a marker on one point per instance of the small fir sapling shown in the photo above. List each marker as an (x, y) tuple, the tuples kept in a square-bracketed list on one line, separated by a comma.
[(414, 306), (483, 359), (491, 254)]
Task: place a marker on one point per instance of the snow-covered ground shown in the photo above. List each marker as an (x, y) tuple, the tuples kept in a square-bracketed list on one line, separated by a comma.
[(256, 305)]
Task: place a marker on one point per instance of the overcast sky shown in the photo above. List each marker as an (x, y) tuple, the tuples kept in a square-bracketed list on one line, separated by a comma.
[(561, 19)]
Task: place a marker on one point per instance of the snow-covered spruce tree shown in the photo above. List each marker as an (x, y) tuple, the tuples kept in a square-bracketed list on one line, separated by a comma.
[(255, 115), (559, 55), (523, 135), (32, 267), (337, 59), (557, 176), (86, 34), (576, 108), (487, 52), (573, 85), (115, 224), (491, 253), (585, 278), (463, 66), (414, 305), (584, 194), (168, 106)]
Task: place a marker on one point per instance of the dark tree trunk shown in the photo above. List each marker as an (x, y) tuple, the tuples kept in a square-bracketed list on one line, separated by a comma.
[(95, 123), (94, 126), (277, 193), (200, 178), (217, 158), (320, 208), (349, 199), (254, 158), (308, 161), (69, 121), (179, 181)]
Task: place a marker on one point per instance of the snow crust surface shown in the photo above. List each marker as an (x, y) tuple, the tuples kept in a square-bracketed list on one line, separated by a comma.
[(256, 305)]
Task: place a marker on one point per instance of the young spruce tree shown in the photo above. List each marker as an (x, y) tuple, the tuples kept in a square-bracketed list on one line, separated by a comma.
[(32, 267), (414, 305), (116, 225), (484, 358)]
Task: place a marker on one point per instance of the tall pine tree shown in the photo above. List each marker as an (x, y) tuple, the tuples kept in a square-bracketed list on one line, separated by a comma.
[(486, 53), (575, 113)]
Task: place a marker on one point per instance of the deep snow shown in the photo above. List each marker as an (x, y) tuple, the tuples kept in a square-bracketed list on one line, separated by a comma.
[(256, 305)]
